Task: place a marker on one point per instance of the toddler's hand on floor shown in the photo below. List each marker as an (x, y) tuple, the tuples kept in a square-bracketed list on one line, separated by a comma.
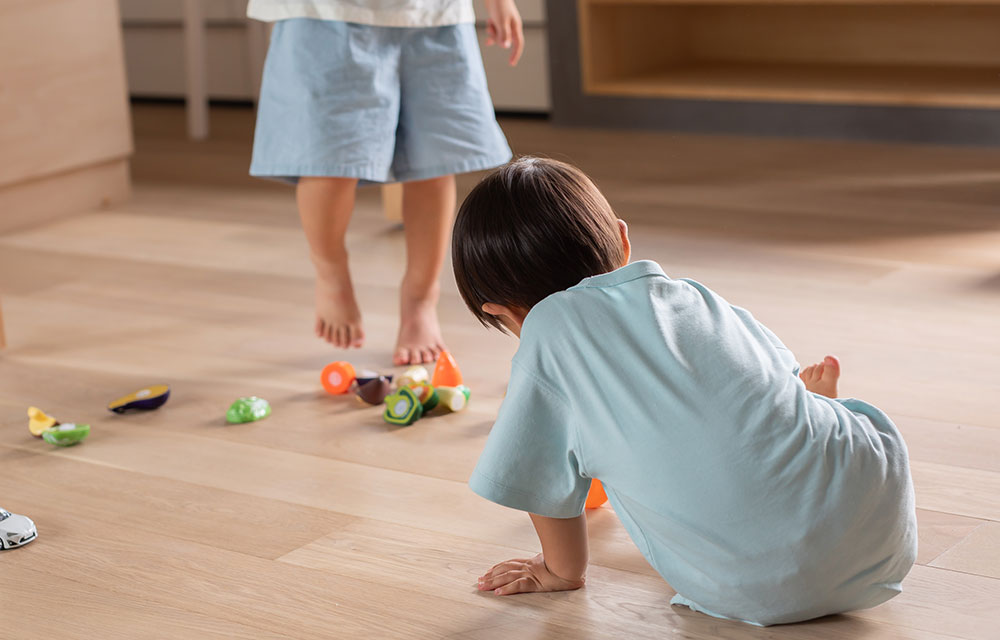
[(525, 576)]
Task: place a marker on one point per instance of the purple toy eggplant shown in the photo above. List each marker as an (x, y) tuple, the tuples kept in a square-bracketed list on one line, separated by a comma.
[(147, 399)]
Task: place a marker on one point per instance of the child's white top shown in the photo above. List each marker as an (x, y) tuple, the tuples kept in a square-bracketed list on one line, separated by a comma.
[(756, 499), (381, 13)]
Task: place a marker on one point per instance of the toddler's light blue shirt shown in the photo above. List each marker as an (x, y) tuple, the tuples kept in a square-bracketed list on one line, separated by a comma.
[(756, 499)]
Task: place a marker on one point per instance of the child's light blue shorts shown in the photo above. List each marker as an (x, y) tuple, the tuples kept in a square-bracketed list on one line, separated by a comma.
[(382, 104)]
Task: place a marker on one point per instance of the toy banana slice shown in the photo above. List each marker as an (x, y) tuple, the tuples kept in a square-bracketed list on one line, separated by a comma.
[(38, 422)]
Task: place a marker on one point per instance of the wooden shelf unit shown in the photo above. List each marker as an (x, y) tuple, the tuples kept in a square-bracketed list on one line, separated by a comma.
[(899, 52)]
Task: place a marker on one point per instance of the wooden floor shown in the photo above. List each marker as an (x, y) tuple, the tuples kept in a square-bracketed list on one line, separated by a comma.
[(324, 522)]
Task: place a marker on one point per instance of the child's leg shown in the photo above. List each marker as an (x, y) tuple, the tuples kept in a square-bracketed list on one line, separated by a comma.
[(325, 206), (428, 211)]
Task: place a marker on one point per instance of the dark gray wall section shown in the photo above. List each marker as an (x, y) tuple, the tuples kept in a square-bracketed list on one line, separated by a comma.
[(570, 106)]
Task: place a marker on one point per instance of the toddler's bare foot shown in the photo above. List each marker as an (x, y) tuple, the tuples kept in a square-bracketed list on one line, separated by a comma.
[(338, 318), (419, 339), (822, 377)]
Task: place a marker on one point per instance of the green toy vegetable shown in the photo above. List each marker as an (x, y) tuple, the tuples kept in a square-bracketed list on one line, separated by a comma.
[(403, 407), (66, 434), (248, 410)]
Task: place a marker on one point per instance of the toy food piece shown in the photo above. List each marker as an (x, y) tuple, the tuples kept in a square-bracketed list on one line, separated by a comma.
[(374, 390), (66, 434), (454, 398), (412, 376), (596, 497), (403, 407), (446, 372), (366, 376), (146, 399), (39, 422), (427, 394), (15, 530), (337, 377), (248, 409)]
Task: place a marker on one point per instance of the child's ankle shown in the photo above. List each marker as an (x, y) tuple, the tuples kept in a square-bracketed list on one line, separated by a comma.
[(420, 289), (334, 260)]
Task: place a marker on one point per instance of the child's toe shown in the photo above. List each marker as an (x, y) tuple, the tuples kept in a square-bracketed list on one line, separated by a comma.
[(402, 356), (832, 365), (357, 338)]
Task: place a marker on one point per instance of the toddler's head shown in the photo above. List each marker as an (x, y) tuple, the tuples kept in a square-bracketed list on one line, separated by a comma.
[(529, 229)]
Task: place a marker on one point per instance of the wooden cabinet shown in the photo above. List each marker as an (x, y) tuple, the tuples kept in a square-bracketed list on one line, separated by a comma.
[(893, 52), (65, 135)]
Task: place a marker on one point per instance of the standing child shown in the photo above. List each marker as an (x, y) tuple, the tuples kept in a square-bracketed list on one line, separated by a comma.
[(377, 91), (755, 491)]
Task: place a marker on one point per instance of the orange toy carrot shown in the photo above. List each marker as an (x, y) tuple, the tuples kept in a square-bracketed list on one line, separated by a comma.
[(596, 497), (337, 377), (446, 372)]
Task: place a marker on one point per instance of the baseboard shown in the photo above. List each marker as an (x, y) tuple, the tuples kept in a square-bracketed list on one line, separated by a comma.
[(35, 202)]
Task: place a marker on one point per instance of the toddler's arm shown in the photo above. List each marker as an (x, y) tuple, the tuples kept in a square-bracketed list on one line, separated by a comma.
[(561, 566)]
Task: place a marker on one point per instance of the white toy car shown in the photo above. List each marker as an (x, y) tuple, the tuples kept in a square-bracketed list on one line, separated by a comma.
[(15, 530)]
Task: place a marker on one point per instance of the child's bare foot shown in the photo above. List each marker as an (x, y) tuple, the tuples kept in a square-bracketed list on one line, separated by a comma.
[(338, 318), (325, 206), (822, 377), (419, 339)]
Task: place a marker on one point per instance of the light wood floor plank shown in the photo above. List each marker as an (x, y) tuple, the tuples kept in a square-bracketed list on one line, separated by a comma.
[(276, 598), (978, 553), (942, 601), (939, 532), (58, 607), (418, 559), (84, 501), (964, 492), (346, 488)]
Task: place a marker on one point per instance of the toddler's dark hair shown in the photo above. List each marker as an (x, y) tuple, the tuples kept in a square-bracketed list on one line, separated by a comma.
[(529, 229)]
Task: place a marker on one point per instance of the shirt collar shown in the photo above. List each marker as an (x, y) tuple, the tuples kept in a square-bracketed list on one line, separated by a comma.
[(637, 269)]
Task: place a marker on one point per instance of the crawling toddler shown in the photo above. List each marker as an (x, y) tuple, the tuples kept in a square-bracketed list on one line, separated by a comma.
[(755, 491)]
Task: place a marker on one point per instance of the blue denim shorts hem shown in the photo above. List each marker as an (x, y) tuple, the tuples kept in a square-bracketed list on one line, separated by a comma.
[(370, 176)]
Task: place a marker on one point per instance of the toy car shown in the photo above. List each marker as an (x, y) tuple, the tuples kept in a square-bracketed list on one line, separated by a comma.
[(15, 530)]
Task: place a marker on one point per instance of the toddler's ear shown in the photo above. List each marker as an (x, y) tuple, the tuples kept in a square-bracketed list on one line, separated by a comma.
[(626, 244), (495, 309), (512, 318)]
